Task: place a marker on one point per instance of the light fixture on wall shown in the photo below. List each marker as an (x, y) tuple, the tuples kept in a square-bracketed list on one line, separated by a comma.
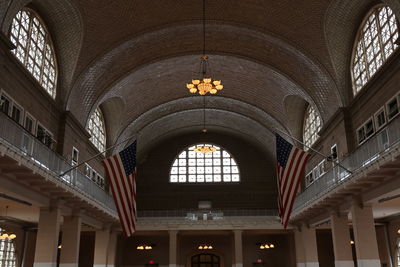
[(205, 247), (265, 245), (145, 247), (205, 84)]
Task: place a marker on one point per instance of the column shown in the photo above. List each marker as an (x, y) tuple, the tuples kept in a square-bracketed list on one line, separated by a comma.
[(47, 238), (298, 242), (238, 248), (310, 246), (71, 235), (101, 247), (365, 236), (173, 248), (341, 240), (112, 249)]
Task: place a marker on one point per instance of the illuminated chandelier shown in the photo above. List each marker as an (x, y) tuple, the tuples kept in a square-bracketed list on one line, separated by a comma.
[(205, 84), (205, 149)]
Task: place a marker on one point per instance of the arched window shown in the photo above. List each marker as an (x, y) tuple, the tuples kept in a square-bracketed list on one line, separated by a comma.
[(195, 167), (7, 252), (376, 42), (97, 130), (312, 125), (34, 48)]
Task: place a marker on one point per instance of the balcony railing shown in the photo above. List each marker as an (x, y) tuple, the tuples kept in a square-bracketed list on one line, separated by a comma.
[(371, 150), (220, 213), (29, 146)]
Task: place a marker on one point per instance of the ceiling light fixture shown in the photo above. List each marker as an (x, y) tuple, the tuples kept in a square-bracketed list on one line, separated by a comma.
[(206, 84)]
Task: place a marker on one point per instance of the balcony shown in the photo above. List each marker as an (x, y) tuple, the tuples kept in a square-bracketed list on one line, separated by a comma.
[(31, 159), (383, 148)]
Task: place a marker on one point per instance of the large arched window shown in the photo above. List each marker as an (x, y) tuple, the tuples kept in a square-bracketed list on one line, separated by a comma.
[(7, 252), (375, 43), (195, 167), (312, 125), (97, 130), (34, 48)]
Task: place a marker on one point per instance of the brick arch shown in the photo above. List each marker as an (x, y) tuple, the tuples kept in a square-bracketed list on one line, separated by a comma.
[(342, 21), (295, 107), (189, 121), (108, 72), (189, 103), (64, 22)]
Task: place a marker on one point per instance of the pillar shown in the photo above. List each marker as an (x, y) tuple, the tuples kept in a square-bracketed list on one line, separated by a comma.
[(341, 240), (101, 244), (71, 235), (298, 242), (365, 236), (238, 248), (47, 237), (309, 239), (112, 249), (173, 248)]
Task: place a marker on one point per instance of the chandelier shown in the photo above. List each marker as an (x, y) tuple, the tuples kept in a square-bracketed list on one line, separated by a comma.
[(205, 149), (205, 84), (9, 236)]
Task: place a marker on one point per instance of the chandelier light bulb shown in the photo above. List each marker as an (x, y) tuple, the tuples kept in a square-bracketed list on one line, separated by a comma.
[(200, 247), (262, 247), (210, 247), (12, 236), (271, 246)]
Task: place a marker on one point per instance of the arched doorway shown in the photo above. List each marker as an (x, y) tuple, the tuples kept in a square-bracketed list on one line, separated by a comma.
[(205, 260)]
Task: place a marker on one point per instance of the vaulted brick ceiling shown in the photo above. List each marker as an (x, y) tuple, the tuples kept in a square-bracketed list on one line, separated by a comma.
[(140, 54)]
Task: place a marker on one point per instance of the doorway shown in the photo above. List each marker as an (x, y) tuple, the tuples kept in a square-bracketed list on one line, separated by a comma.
[(205, 260)]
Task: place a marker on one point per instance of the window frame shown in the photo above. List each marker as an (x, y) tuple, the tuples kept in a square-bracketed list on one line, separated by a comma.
[(34, 122), (95, 138), (221, 165), (380, 111), (364, 128), (11, 104), (309, 142), (360, 37), (397, 99), (47, 41)]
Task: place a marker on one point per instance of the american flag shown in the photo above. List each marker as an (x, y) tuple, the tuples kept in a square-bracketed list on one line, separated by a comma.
[(290, 167), (121, 172)]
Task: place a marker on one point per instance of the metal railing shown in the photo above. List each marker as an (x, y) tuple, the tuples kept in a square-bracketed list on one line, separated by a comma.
[(32, 148), (371, 150), (182, 213)]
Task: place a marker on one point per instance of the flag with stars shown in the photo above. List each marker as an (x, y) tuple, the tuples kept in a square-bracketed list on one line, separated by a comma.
[(121, 173), (290, 169)]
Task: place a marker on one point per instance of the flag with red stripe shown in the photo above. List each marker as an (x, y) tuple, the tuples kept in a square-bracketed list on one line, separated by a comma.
[(290, 169), (121, 173)]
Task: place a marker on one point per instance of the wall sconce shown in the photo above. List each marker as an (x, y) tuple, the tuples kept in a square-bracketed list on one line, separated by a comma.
[(265, 245), (398, 231), (145, 247), (352, 242), (201, 247)]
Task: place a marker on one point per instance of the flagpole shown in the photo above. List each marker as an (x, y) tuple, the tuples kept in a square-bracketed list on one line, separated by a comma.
[(95, 156), (316, 151)]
